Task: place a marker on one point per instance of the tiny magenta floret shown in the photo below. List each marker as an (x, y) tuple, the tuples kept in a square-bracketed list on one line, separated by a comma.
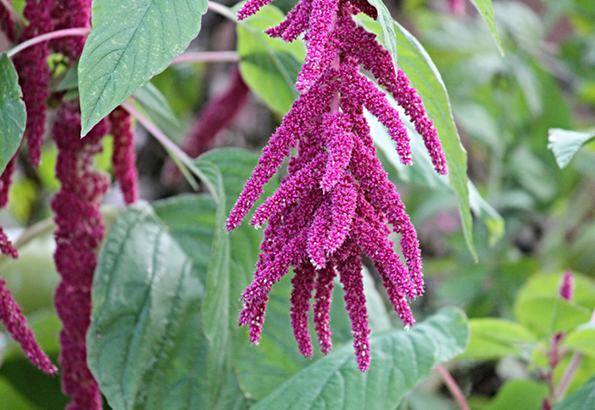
[(336, 202)]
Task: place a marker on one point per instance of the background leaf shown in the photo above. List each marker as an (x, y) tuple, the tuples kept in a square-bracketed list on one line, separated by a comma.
[(130, 43), (400, 359), (496, 338), (582, 399), (12, 112), (269, 66), (565, 144), (485, 9)]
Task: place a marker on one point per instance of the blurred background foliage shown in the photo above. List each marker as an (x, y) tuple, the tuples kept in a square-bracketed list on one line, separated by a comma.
[(504, 107)]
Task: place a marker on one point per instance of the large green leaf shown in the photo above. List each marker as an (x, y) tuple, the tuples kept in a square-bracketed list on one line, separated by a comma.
[(387, 30), (268, 65), (145, 346), (565, 144), (582, 399), (519, 395), (485, 9), (130, 42), (496, 338), (424, 76), (12, 112), (400, 359)]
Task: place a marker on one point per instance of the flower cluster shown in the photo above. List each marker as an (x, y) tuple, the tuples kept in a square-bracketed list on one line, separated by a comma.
[(124, 155), (78, 235), (336, 202), (69, 14), (6, 23)]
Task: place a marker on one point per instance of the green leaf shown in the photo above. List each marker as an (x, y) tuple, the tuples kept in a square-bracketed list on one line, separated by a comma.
[(496, 338), (269, 66), (565, 144), (12, 399), (540, 307), (388, 36), (145, 346), (12, 112), (130, 43), (400, 359), (519, 395), (582, 340), (485, 9), (156, 105), (424, 76), (582, 399)]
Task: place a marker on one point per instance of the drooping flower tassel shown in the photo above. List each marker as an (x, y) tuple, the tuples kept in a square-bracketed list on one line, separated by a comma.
[(124, 156), (6, 180), (79, 233), (34, 74), (70, 14), (336, 203), (7, 23)]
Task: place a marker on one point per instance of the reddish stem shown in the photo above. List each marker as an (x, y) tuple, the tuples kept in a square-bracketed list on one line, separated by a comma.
[(69, 32), (453, 387)]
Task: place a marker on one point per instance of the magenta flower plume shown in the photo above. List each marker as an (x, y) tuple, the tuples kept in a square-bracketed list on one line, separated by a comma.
[(124, 156), (6, 246), (79, 234), (16, 324), (457, 7), (567, 286), (336, 203), (34, 74), (71, 14)]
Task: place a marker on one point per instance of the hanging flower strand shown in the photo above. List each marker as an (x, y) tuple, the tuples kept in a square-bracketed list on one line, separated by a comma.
[(336, 202)]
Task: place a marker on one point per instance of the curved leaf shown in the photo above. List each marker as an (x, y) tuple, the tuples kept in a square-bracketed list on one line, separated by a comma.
[(400, 359), (131, 41), (486, 11), (565, 144), (582, 399)]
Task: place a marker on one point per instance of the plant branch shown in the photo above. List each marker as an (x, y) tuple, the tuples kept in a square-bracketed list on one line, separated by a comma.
[(453, 387), (222, 11), (575, 362), (207, 57), (69, 32)]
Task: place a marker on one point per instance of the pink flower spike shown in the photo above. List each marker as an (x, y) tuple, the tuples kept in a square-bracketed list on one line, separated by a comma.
[(322, 307), (339, 144), (16, 324), (294, 24), (355, 86), (71, 14), (124, 155), (343, 205), (303, 284), (298, 121), (567, 286), (366, 8), (293, 189), (320, 48), (350, 273), (251, 7), (6, 246), (6, 180), (317, 235)]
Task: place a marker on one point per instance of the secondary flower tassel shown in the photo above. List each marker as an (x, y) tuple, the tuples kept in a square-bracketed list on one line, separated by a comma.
[(124, 155), (79, 233), (336, 202)]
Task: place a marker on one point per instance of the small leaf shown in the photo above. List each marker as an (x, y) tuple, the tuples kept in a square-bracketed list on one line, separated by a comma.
[(565, 144), (485, 9), (269, 66), (12, 112), (582, 340), (157, 107), (400, 359), (496, 338), (131, 42), (582, 399)]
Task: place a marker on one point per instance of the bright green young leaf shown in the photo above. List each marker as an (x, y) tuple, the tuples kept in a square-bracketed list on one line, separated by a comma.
[(582, 399), (424, 76), (484, 7), (131, 42), (519, 395), (268, 65), (549, 286), (496, 338), (565, 144), (12, 112), (400, 359), (582, 340)]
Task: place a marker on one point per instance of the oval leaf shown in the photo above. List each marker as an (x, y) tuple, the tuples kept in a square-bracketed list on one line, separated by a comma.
[(12, 112), (131, 41)]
